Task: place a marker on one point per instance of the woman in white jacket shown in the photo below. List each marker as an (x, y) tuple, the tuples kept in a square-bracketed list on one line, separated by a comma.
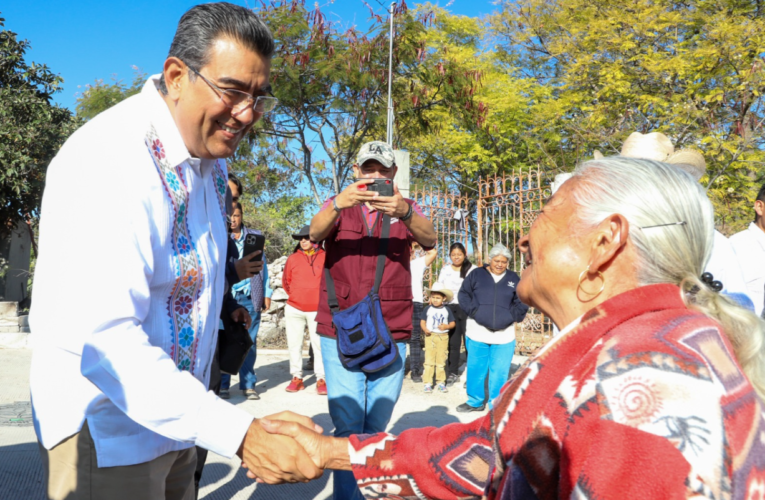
[(451, 276)]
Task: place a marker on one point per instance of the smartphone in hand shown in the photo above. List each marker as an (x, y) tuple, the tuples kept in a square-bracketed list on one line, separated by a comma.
[(383, 186), (253, 243)]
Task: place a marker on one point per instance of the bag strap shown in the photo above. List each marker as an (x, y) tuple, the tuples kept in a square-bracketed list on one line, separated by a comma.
[(334, 305)]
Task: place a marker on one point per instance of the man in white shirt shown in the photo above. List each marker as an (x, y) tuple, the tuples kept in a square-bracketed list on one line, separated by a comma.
[(749, 246), (125, 319)]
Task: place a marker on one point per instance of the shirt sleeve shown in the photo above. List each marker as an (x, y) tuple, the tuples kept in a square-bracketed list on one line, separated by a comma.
[(117, 355), (424, 314), (287, 274), (449, 315), (424, 458)]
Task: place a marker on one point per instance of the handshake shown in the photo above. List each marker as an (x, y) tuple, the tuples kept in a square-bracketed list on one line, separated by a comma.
[(290, 448)]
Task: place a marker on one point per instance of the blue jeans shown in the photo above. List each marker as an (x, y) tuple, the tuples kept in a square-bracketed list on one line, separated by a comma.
[(487, 359), (359, 403), (247, 377)]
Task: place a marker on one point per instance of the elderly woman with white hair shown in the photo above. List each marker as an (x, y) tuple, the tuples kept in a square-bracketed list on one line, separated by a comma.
[(488, 297), (653, 389)]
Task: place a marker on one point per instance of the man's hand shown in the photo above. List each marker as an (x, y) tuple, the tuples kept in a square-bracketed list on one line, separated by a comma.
[(246, 269), (426, 332), (266, 303), (356, 194), (327, 452), (395, 206), (241, 316), (276, 459), (443, 327)]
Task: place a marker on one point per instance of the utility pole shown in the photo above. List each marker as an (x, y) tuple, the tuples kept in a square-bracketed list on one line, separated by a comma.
[(390, 80)]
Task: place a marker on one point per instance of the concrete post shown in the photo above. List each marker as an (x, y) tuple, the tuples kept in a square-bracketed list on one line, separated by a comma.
[(402, 176)]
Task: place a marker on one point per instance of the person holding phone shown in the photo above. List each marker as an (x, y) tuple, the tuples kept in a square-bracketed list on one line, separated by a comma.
[(255, 295), (350, 224)]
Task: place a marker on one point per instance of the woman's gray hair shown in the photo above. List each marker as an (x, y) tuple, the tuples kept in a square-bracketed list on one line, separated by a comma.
[(500, 249), (672, 227), (203, 24)]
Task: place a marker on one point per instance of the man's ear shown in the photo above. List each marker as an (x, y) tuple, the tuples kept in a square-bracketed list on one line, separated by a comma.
[(610, 237), (174, 70), (759, 208), (356, 171)]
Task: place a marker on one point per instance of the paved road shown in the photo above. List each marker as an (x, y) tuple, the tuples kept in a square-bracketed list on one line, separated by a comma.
[(21, 473)]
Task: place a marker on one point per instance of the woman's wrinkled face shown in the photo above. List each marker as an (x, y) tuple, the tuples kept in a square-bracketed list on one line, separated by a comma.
[(498, 264), (457, 257), (554, 254)]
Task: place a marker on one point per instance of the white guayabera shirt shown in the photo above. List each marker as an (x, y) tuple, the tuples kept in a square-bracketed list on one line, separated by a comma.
[(128, 290)]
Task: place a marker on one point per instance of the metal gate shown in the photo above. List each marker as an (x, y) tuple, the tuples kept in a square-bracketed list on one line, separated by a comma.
[(504, 210)]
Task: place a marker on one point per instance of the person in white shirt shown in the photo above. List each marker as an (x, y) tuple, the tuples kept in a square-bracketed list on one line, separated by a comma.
[(451, 276), (749, 246), (119, 388), (417, 266)]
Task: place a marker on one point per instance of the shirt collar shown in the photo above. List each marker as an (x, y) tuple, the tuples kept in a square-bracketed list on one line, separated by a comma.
[(175, 149)]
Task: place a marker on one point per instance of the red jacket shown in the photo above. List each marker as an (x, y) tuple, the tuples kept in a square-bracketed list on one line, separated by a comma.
[(352, 260), (301, 279)]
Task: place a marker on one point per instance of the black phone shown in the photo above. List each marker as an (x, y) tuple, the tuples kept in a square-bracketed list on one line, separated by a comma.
[(253, 243), (382, 186)]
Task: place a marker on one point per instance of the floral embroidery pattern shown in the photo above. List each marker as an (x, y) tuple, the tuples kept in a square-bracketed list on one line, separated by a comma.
[(186, 337), (183, 245), (157, 149), (183, 302), (172, 180), (183, 305), (221, 181)]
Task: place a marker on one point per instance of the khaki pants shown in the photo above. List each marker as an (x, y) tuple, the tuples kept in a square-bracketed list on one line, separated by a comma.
[(71, 473), (296, 321), (436, 350)]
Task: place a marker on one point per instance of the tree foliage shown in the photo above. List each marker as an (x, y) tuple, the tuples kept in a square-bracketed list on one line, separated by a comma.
[(100, 96), (31, 129), (603, 69), (332, 87)]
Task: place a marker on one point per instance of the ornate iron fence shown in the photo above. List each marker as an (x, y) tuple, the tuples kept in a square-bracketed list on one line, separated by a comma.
[(505, 208)]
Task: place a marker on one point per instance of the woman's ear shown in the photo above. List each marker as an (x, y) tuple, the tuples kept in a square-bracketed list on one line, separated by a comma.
[(611, 236)]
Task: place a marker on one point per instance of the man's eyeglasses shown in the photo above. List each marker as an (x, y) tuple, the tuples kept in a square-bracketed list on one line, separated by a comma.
[(238, 101)]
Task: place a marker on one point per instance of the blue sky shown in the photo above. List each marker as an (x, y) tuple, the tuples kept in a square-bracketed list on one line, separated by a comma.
[(85, 40)]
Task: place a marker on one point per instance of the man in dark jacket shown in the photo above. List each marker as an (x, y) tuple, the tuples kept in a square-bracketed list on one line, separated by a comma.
[(488, 296)]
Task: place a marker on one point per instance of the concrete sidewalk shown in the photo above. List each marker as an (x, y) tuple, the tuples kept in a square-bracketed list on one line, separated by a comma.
[(21, 472)]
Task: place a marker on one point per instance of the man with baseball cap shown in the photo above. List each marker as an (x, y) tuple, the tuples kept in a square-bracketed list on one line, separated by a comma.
[(351, 224)]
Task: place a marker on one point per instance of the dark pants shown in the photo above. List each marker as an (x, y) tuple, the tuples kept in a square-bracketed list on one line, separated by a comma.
[(215, 387), (456, 336), (415, 347)]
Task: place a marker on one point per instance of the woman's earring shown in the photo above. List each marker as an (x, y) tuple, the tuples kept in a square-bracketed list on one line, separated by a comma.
[(582, 277)]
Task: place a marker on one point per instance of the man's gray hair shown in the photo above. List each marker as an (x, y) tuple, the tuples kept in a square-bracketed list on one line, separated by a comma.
[(203, 24), (500, 249)]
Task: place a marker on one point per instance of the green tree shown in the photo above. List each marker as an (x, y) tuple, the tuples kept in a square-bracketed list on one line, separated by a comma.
[(332, 87), (100, 96), (600, 69), (32, 129)]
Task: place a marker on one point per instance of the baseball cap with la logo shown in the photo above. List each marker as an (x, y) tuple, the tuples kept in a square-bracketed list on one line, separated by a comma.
[(376, 150)]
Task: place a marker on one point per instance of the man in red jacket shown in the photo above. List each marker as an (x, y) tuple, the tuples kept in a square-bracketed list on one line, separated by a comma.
[(301, 281), (350, 224)]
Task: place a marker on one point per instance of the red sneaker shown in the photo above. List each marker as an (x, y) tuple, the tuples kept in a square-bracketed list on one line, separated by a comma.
[(295, 385), (321, 387)]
